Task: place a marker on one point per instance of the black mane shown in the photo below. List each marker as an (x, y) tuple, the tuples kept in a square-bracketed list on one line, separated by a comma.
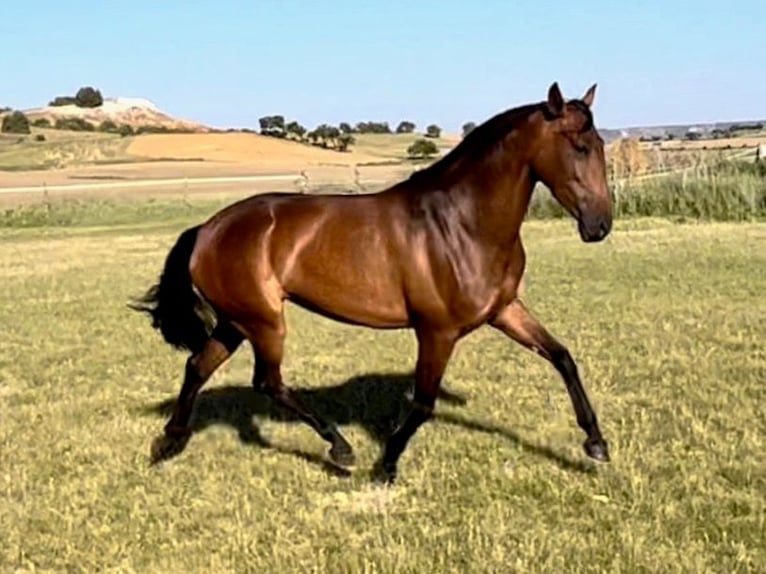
[(481, 140), (486, 136)]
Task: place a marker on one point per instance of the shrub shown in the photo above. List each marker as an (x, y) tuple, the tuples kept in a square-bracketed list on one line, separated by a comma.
[(160, 129), (74, 125), (422, 148), (108, 126), (126, 130), (39, 138), (42, 123), (62, 101), (405, 127), (15, 123)]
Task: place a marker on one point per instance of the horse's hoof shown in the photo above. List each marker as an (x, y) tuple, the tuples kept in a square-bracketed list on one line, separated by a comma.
[(597, 450), (167, 446), (342, 454), (384, 473)]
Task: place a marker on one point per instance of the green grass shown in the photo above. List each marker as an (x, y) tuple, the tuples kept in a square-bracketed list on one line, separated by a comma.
[(666, 322)]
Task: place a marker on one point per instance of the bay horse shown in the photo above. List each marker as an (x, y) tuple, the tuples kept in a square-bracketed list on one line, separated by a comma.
[(439, 253)]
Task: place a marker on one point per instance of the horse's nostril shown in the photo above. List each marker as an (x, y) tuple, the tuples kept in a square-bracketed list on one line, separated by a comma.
[(605, 227)]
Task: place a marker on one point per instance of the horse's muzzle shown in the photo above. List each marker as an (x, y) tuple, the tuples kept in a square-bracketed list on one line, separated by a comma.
[(594, 228)]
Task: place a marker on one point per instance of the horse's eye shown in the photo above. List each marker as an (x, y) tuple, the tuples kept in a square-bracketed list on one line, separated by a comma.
[(580, 148)]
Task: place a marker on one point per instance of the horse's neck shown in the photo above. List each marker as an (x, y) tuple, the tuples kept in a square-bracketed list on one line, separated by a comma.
[(495, 198)]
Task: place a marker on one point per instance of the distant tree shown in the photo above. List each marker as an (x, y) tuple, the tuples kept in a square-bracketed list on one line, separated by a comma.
[(433, 131), (327, 133), (333, 134), (344, 141), (125, 130), (88, 97), (42, 123), (15, 123), (468, 127), (4, 109), (373, 128), (273, 126), (345, 128), (320, 134), (422, 148), (313, 136), (295, 129), (405, 127)]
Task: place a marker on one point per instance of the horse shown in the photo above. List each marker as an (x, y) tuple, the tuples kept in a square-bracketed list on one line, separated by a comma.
[(438, 252)]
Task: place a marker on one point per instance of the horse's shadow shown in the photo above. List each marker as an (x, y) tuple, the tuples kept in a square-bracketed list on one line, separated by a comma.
[(376, 402)]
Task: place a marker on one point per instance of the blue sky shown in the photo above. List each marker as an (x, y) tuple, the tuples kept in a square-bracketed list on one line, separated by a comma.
[(227, 63)]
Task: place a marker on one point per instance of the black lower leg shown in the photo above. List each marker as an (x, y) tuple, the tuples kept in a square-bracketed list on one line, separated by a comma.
[(340, 450), (397, 442), (595, 445), (222, 343), (434, 350)]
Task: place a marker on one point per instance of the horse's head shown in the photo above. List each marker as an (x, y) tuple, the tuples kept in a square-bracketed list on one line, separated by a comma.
[(569, 160)]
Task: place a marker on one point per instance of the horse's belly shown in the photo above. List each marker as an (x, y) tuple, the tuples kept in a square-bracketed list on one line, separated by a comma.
[(352, 302)]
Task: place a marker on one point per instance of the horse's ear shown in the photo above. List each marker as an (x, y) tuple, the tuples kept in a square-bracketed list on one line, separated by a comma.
[(589, 96), (555, 100)]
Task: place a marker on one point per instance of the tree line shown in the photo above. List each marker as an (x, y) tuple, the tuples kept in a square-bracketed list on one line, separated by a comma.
[(339, 137)]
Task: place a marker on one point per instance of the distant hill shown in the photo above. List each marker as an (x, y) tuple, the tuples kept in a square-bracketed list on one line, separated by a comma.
[(134, 112), (138, 112), (676, 130)]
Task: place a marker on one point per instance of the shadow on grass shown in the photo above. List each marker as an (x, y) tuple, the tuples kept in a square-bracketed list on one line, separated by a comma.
[(376, 402)]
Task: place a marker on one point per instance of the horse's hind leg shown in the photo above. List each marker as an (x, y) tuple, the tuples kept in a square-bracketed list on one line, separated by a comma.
[(199, 367), (519, 324), (268, 346)]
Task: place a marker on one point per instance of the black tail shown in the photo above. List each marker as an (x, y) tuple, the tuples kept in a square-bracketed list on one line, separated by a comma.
[(182, 317)]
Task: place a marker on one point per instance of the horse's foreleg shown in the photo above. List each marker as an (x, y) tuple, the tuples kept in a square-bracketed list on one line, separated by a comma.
[(199, 367), (434, 350), (521, 326)]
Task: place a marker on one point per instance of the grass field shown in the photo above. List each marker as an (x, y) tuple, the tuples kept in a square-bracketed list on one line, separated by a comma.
[(666, 321)]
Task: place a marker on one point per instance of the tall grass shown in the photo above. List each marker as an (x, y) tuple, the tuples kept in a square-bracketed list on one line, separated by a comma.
[(727, 191)]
